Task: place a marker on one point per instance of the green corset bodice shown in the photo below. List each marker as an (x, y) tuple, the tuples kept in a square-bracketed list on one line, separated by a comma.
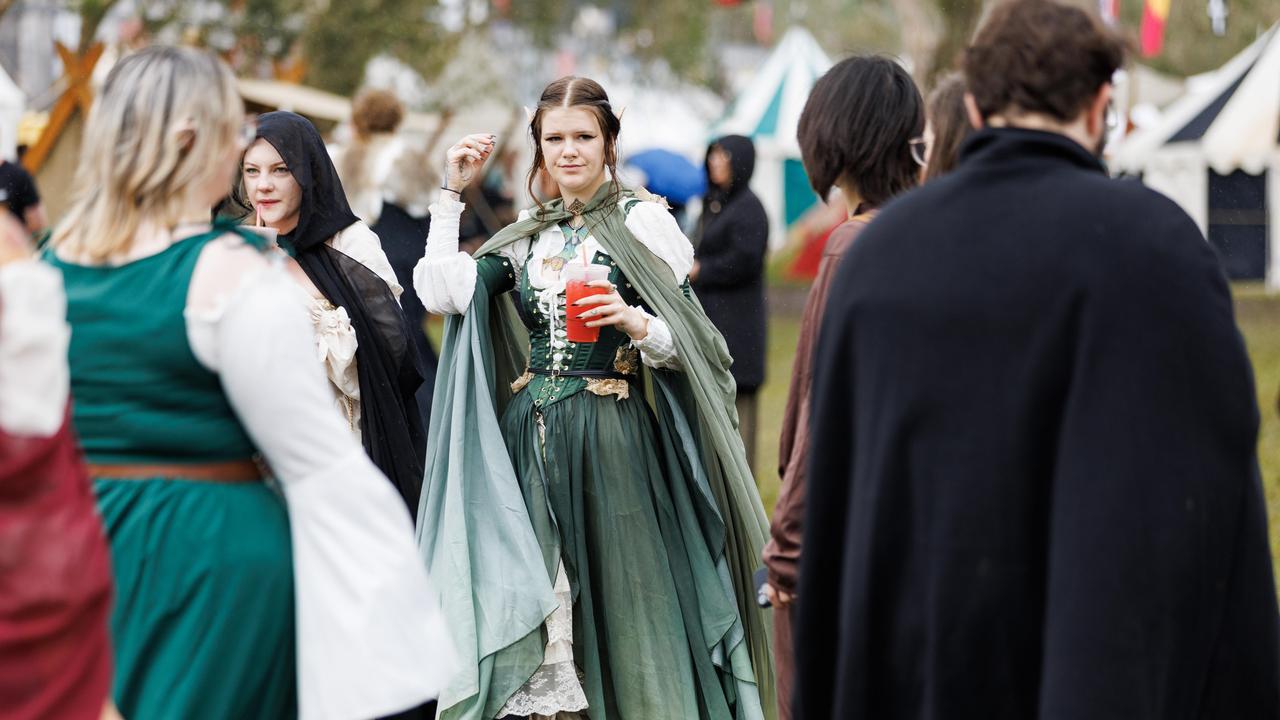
[(549, 348), (139, 393)]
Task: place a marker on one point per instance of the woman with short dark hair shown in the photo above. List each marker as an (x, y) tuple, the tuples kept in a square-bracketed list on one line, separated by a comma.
[(875, 96), (857, 129)]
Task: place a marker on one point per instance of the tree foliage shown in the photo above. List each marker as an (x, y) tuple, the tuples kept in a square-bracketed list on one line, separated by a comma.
[(339, 41), (1190, 46), (338, 37), (334, 38)]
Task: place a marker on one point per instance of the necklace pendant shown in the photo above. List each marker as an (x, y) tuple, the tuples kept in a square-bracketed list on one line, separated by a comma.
[(577, 207)]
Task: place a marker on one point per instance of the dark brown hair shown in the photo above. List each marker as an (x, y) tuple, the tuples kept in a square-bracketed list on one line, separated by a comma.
[(950, 123), (580, 92), (376, 111), (1040, 56), (857, 127)]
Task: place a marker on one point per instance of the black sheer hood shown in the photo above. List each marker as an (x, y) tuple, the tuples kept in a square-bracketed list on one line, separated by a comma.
[(324, 211)]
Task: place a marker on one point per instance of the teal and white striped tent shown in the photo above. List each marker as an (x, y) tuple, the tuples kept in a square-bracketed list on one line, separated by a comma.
[(768, 111)]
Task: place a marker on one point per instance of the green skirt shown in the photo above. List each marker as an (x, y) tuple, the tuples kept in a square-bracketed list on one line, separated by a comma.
[(608, 494), (203, 622)]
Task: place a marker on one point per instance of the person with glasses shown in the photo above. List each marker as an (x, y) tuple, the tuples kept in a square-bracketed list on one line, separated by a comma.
[(869, 167), (1034, 490), (264, 568)]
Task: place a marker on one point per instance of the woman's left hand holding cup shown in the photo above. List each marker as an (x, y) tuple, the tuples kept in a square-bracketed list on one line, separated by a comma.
[(611, 309)]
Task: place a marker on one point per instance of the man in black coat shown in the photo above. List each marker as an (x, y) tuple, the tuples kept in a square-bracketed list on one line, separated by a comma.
[(1034, 491), (733, 239)]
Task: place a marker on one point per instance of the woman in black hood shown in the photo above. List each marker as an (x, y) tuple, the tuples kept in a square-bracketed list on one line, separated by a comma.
[(728, 274), (289, 183)]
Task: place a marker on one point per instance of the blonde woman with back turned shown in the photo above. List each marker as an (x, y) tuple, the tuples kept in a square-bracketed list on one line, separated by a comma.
[(193, 369)]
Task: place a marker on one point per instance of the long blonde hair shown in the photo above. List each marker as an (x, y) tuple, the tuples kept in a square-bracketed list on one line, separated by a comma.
[(164, 121)]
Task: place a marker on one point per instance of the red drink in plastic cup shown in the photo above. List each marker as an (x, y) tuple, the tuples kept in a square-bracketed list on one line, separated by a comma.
[(576, 287)]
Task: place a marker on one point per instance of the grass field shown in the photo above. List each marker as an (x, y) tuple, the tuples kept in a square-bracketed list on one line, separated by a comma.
[(1257, 313)]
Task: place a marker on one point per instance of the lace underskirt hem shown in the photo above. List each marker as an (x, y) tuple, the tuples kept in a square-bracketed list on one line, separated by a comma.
[(555, 690)]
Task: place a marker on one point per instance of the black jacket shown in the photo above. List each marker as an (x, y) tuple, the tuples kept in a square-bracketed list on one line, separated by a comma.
[(733, 240), (1033, 490)]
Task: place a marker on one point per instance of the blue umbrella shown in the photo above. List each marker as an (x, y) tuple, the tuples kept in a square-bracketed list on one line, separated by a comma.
[(670, 175)]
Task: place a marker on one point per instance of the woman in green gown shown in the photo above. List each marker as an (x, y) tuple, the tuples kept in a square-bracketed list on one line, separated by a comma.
[(587, 507)]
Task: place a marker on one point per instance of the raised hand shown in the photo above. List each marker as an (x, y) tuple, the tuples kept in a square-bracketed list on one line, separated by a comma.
[(465, 158)]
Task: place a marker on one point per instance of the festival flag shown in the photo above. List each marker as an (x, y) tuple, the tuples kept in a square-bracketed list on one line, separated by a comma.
[(1154, 15), (762, 22)]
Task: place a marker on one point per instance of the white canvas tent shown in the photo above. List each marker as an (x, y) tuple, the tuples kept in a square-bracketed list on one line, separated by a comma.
[(1216, 152), (768, 111), (671, 116), (309, 101)]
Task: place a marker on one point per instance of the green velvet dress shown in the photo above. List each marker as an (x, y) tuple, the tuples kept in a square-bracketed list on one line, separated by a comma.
[(203, 625), (609, 496)]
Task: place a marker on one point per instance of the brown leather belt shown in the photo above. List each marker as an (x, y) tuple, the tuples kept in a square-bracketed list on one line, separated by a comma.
[(231, 471)]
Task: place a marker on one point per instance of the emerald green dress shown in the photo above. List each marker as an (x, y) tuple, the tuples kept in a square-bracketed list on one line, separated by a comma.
[(203, 625), (608, 496)]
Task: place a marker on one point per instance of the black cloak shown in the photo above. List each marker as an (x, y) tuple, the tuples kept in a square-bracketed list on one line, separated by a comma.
[(1033, 490), (733, 238), (386, 362)]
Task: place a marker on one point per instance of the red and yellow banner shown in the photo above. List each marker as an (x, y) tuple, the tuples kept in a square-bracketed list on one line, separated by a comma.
[(1155, 13)]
